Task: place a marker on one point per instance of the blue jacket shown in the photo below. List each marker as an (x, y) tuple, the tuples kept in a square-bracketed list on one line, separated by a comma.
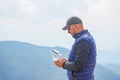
[(84, 69)]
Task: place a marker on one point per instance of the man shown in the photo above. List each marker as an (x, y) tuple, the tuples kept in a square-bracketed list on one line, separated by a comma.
[(82, 57)]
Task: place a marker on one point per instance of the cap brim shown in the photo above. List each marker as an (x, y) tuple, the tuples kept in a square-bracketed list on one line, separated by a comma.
[(65, 27)]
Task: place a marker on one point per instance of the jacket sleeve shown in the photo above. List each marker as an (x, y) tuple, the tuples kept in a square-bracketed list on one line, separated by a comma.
[(81, 55)]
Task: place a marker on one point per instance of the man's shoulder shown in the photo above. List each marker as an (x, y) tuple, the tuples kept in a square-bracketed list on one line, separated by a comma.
[(83, 38)]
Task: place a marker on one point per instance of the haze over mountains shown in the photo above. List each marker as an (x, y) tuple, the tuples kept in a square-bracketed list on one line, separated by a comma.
[(25, 61)]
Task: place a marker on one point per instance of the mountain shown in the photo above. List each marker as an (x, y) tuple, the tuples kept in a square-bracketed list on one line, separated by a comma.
[(25, 61), (103, 73), (108, 57)]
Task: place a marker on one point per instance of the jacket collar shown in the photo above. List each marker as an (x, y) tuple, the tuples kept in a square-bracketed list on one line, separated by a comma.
[(80, 33)]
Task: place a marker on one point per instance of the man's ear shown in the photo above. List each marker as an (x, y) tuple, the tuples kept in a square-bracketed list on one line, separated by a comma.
[(76, 27)]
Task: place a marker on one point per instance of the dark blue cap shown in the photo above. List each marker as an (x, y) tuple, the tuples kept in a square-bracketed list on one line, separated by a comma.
[(72, 20)]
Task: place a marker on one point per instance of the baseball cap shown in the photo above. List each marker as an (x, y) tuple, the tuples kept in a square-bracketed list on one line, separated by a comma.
[(72, 20)]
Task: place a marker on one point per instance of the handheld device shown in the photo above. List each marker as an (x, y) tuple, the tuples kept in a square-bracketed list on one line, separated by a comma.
[(56, 52)]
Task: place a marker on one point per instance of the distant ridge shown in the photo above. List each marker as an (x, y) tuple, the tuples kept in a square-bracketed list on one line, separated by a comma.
[(26, 61)]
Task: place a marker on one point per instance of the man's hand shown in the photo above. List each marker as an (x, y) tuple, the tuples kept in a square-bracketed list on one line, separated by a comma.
[(59, 62)]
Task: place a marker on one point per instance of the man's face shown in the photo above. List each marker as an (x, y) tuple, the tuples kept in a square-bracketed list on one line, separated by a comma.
[(71, 30)]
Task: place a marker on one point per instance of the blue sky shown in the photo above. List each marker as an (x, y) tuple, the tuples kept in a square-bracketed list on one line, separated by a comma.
[(40, 21)]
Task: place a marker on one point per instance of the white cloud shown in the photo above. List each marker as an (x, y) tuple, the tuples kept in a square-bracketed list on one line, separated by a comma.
[(28, 7), (60, 3), (102, 18), (47, 19), (98, 7)]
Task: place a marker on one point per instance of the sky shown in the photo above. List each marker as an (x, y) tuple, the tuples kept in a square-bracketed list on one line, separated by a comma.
[(40, 22)]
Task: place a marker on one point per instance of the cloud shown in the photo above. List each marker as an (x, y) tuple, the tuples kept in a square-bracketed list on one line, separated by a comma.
[(101, 19), (59, 2), (8, 8), (28, 7), (40, 22)]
